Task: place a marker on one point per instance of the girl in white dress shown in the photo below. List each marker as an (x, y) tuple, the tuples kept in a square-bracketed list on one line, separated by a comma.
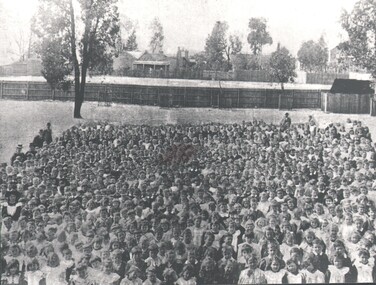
[(33, 274), (54, 272), (275, 271), (293, 275), (338, 270), (12, 275), (365, 266)]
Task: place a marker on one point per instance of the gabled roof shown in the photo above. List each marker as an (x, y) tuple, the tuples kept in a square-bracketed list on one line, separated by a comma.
[(135, 54), (153, 57), (351, 86)]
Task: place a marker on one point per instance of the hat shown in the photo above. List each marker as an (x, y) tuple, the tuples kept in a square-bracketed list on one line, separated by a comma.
[(153, 246), (136, 249), (246, 247)]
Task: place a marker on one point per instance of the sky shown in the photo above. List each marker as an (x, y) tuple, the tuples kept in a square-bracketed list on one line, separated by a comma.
[(187, 23)]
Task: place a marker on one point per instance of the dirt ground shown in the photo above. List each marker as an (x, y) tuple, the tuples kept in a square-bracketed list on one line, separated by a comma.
[(21, 120)]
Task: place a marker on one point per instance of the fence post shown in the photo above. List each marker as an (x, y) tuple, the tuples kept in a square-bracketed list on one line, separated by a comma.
[(265, 97), (159, 97), (27, 90), (293, 99), (53, 94), (238, 97), (185, 94), (1, 89)]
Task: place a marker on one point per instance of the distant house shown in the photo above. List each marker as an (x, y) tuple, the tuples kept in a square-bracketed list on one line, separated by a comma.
[(124, 61), (28, 67), (348, 96), (182, 59), (152, 61)]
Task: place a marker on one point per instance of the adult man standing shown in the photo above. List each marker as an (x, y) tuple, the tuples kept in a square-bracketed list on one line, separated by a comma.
[(47, 134), (38, 140), (19, 154), (286, 122)]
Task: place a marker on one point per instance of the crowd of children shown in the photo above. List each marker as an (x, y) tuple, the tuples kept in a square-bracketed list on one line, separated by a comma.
[(247, 203)]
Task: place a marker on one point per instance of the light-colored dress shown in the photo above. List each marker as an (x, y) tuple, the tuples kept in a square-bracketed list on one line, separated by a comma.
[(337, 275), (364, 272), (55, 275), (33, 277), (314, 278), (274, 277), (107, 279), (256, 277)]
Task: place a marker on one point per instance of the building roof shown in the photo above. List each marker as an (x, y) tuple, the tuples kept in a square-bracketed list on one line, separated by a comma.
[(153, 57), (351, 86), (135, 54), (151, 62)]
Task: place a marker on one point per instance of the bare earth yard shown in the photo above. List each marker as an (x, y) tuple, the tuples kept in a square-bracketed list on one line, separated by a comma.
[(21, 120)]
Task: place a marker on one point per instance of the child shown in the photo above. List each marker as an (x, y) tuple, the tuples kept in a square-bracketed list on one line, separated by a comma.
[(273, 251), (14, 252), (12, 275), (287, 245), (187, 276), (307, 244), (107, 276), (293, 276), (82, 277), (275, 272), (312, 275), (154, 259), (132, 277), (338, 270), (318, 256), (353, 244), (365, 267), (33, 275), (55, 274)]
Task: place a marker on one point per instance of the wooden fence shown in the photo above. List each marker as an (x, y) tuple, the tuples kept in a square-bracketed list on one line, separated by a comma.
[(168, 96)]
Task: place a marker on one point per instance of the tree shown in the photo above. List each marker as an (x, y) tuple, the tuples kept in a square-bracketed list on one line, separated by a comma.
[(234, 47), (215, 46), (282, 66), (313, 56), (360, 26), (156, 42), (58, 28), (131, 42), (258, 36), (55, 69)]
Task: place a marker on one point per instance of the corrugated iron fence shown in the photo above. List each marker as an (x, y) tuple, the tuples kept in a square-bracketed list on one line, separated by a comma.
[(169, 96)]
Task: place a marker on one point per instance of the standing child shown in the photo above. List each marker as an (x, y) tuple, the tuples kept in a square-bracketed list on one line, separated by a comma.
[(338, 270), (55, 274), (187, 276), (365, 267), (13, 274), (293, 276), (275, 272), (318, 256), (312, 275), (33, 275)]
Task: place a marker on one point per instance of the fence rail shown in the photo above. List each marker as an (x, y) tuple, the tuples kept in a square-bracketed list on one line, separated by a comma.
[(168, 96)]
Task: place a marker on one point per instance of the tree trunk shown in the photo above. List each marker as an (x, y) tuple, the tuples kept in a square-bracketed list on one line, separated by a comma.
[(373, 107), (78, 99), (77, 108)]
